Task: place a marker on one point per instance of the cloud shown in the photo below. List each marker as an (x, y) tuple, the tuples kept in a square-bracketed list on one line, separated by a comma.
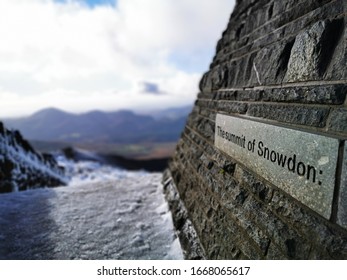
[(82, 58), (151, 88)]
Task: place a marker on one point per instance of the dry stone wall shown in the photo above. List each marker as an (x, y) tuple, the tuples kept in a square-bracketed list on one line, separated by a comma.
[(280, 67)]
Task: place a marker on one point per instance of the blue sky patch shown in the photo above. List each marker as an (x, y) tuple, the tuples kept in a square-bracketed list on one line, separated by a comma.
[(92, 3)]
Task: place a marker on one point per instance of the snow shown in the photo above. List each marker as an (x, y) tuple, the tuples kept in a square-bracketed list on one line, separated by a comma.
[(104, 213), (10, 149), (89, 171)]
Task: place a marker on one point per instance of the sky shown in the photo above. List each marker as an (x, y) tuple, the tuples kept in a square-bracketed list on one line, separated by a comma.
[(82, 55)]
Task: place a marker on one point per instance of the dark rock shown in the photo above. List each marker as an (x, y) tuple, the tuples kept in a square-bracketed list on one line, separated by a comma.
[(22, 168)]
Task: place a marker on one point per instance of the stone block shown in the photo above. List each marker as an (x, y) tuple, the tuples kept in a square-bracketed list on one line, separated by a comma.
[(313, 50), (309, 116), (232, 107), (334, 94), (270, 64), (338, 120), (337, 69), (342, 204), (304, 59)]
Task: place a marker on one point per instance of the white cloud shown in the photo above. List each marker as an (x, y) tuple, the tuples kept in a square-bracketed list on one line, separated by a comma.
[(76, 58)]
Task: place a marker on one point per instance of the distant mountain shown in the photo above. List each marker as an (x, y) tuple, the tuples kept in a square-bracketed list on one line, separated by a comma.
[(172, 113), (104, 127)]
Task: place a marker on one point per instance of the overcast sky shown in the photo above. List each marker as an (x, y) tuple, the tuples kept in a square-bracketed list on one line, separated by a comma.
[(79, 55)]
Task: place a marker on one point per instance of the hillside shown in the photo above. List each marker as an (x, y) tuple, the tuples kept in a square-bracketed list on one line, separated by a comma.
[(22, 168)]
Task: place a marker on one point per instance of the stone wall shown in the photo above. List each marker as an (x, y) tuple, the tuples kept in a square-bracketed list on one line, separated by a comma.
[(281, 64)]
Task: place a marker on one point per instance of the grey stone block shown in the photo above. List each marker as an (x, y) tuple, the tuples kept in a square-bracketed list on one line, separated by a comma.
[(338, 121), (310, 116), (270, 64), (304, 59), (334, 94), (342, 205), (232, 107), (313, 51)]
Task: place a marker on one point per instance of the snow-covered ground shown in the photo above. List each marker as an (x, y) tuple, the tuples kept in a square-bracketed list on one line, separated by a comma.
[(92, 171), (105, 213)]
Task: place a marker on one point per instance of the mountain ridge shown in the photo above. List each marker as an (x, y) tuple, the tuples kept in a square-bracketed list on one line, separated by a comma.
[(123, 126)]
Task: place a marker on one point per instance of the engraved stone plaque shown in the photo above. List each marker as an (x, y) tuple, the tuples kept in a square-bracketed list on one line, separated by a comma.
[(300, 163)]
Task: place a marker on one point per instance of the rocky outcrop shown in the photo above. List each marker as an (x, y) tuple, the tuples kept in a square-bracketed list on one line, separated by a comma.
[(22, 168), (279, 63)]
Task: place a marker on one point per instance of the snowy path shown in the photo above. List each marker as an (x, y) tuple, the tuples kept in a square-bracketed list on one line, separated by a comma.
[(120, 219)]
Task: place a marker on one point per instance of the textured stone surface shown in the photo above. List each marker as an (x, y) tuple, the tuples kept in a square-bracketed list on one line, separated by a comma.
[(337, 69), (185, 230), (232, 107), (303, 64), (334, 94), (303, 164), (281, 63), (302, 115), (277, 55), (338, 122), (342, 204), (206, 165), (313, 51)]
